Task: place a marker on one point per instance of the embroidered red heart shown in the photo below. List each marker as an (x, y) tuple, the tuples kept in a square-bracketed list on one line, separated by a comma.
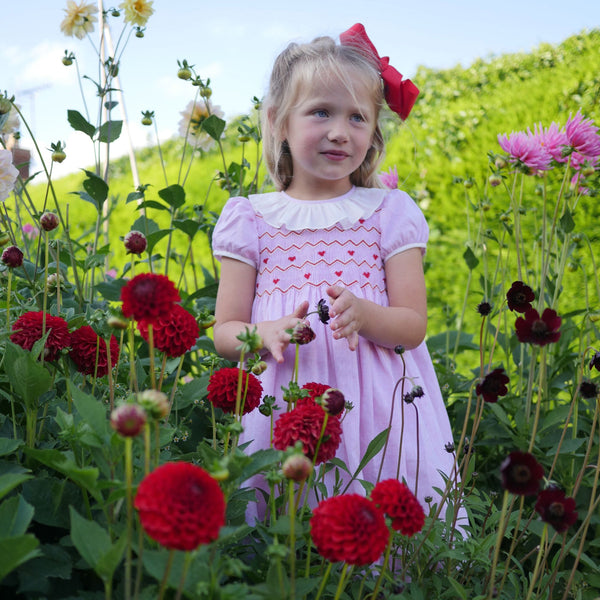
[(361, 220), (265, 260), (351, 252), (367, 275), (321, 253), (306, 275), (338, 273), (375, 256), (291, 258), (275, 281)]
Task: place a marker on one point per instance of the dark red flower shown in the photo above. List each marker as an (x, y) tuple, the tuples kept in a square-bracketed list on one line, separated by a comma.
[(588, 389), (484, 308), (223, 385), (521, 474), (595, 362), (519, 297), (148, 296), (400, 504), (493, 385), (315, 389), (304, 423), (28, 330), (556, 509), (349, 528), (12, 257), (88, 348), (174, 333), (533, 329), (180, 506), (323, 311)]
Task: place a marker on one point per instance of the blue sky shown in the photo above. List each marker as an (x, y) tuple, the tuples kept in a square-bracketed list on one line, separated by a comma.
[(234, 43)]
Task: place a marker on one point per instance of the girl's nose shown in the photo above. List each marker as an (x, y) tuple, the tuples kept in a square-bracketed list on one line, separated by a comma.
[(338, 132)]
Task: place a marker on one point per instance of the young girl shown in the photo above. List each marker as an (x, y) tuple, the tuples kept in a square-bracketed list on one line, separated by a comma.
[(331, 232)]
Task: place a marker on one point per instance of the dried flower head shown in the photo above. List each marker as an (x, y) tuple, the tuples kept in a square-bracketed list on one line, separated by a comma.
[(521, 473), (539, 330), (135, 242), (519, 297), (12, 257), (493, 385), (180, 506), (128, 420), (397, 501), (349, 528)]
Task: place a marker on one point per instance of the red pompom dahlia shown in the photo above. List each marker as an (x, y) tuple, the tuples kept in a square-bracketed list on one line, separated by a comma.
[(400, 504), (86, 346), (148, 296), (180, 506), (223, 385), (174, 333), (28, 330), (349, 528), (304, 423)]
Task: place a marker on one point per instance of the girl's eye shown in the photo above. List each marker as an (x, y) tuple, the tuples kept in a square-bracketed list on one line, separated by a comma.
[(358, 118), (320, 113)]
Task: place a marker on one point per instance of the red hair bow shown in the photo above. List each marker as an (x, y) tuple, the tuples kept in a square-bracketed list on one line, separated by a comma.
[(400, 94)]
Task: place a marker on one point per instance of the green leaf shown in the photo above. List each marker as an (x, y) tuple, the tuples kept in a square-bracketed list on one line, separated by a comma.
[(566, 222), (27, 375), (110, 131), (92, 411), (97, 188), (14, 551), (134, 197), (375, 445), (155, 237), (8, 446), (188, 226), (174, 195), (78, 123), (86, 477), (9, 481), (15, 515), (470, 258), (94, 544), (110, 290), (214, 126)]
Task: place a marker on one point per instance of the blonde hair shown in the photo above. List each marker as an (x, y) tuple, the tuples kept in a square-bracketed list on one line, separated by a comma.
[(295, 70)]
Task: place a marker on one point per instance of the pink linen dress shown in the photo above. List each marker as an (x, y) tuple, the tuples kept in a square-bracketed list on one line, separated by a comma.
[(298, 249)]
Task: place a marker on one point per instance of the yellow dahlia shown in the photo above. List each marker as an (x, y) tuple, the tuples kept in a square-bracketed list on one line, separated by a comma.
[(190, 125), (80, 19), (137, 12)]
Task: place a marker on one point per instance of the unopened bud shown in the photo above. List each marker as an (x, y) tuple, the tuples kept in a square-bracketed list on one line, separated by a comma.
[(297, 467), (333, 401), (302, 333), (155, 403), (117, 322), (12, 257), (128, 420), (494, 180), (135, 242), (259, 367), (49, 221)]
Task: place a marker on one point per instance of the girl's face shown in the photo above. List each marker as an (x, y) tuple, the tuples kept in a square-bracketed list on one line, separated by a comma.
[(329, 133)]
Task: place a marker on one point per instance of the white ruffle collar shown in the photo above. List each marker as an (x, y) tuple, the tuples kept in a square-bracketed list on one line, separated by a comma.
[(278, 209)]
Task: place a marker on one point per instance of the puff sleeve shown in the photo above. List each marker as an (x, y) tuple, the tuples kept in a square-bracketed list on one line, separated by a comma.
[(403, 225), (235, 234)]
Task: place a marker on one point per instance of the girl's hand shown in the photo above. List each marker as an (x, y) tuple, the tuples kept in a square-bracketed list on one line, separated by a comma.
[(346, 314), (274, 333)]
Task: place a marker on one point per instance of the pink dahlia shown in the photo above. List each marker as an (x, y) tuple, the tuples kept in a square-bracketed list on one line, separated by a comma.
[(525, 151), (582, 135)]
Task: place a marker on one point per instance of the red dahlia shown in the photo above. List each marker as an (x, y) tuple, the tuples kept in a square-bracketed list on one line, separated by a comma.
[(533, 329), (400, 504), (521, 473), (223, 385), (556, 509), (315, 389), (174, 333), (519, 297), (493, 385), (349, 528), (180, 506), (88, 348), (28, 330), (304, 423), (148, 296)]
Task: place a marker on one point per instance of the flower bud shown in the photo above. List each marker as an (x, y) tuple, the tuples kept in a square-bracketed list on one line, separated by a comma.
[(135, 242), (500, 163), (53, 281), (302, 333), (333, 401), (205, 91), (297, 467), (494, 180), (244, 138), (155, 403), (117, 322), (259, 367), (468, 183), (128, 420), (49, 221), (12, 257), (139, 33)]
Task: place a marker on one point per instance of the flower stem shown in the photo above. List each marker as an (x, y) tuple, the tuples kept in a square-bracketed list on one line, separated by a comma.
[(128, 490), (499, 536), (163, 583), (538, 560)]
